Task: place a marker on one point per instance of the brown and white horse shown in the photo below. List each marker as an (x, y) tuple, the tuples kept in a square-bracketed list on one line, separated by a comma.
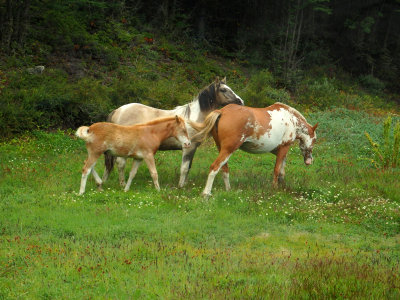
[(255, 130), (216, 95), (139, 141)]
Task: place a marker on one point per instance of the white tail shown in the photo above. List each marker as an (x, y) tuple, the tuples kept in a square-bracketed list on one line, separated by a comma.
[(83, 133)]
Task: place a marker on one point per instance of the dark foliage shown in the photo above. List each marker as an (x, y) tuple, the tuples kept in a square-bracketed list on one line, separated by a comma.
[(361, 36)]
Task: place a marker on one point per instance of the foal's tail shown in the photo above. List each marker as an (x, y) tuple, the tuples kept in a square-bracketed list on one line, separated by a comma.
[(83, 133), (205, 128), (109, 160)]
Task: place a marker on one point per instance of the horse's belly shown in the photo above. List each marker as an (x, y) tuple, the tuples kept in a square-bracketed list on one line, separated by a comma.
[(170, 144), (262, 144)]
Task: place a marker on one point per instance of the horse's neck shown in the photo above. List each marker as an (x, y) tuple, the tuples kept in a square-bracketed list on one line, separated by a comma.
[(163, 130), (191, 111), (301, 129)]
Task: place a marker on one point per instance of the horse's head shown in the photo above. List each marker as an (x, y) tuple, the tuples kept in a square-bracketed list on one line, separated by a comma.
[(307, 141), (218, 94), (181, 132)]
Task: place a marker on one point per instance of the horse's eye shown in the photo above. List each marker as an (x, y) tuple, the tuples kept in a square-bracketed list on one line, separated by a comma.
[(223, 90)]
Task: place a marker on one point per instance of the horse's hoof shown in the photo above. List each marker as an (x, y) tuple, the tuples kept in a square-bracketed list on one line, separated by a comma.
[(206, 196)]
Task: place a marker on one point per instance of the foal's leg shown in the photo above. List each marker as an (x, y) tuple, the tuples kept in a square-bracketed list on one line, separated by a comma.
[(121, 162), (97, 178), (221, 160), (187, 158), (149, 159), (87, 168), (279, 170), (109, 161), (132, 173)]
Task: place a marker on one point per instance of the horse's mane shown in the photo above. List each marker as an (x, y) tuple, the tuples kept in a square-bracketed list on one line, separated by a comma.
[(206, 97)]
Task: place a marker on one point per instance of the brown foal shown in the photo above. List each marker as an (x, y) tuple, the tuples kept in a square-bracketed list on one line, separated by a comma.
[(139, 141)]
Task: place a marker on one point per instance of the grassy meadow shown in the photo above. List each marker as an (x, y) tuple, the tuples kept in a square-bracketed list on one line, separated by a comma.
[(333, 231)]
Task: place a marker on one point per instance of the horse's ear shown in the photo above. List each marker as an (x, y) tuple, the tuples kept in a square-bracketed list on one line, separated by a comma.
[(315, 127), (223, 80), (216, 80)]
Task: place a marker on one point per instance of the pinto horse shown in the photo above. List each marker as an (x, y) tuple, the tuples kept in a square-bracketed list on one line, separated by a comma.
[(214, 96), (255, 130), (139, 141)]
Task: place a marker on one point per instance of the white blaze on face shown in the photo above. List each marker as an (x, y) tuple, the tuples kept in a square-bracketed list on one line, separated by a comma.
[(183, 138), (230, 93)]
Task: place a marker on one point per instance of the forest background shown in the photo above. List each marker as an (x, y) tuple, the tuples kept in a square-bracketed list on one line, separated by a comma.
[(99, 55)]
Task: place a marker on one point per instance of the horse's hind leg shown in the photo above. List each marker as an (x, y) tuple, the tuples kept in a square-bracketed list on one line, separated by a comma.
[(109, 164), (97, 178), (221, 160), (132, 173), (121, 162), (87, 168), (187, 158), (225, 175)]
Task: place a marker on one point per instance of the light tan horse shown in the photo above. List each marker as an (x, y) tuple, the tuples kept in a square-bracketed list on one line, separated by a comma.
[(214, 96), (139, 141), (255, 130)]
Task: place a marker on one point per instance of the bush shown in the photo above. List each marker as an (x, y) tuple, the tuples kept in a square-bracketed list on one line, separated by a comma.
[(261, 91), (50, 101), (319, 94), (371, 83)]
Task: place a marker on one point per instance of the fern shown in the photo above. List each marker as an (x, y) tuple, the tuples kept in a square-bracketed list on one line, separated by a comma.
[(386, 155)]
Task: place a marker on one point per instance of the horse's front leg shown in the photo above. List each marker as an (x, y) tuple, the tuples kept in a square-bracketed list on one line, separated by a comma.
[(281, 176), (187, 158), (149, 159), (121, 162), (221, 160), (279, 170)]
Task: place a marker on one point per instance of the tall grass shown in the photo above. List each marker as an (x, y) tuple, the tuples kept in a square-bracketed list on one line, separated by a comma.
[(332, 232)]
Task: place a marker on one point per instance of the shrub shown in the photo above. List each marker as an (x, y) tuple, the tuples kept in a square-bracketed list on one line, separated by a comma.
[(371, 83), (319, 94), (386, 155), (260, 91)]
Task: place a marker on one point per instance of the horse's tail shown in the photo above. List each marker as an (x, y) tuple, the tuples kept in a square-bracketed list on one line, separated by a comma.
[(109, 159), (205, 128), (83, 133)]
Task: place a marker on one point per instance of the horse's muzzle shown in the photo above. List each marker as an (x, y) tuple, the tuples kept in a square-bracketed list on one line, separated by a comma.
[(239, 101), (308, 161)]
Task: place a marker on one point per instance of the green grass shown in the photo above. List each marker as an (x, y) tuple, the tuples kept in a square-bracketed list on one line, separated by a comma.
[(332, 232)]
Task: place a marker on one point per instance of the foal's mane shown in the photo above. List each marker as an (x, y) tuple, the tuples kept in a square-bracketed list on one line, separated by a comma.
[(159, 120)]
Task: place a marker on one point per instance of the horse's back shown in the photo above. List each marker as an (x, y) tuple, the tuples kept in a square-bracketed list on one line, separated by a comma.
[(134, 113), (255, 130)]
